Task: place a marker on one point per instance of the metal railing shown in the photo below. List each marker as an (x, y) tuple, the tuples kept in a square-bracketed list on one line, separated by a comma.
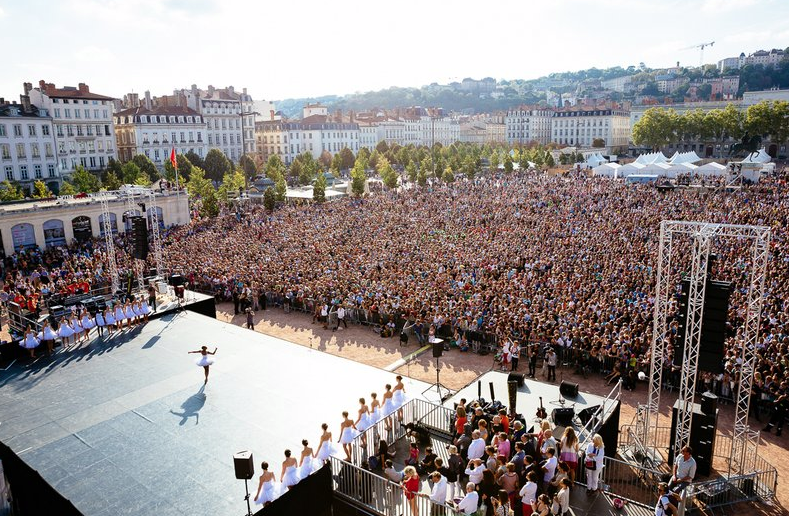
[(365, 489), (634, 483), (600, 415), (436, 419)]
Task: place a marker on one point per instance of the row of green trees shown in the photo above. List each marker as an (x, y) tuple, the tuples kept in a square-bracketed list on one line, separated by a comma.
[(660, 127)]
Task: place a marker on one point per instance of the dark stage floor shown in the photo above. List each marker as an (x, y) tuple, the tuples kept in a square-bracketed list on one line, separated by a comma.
[(126, 426)]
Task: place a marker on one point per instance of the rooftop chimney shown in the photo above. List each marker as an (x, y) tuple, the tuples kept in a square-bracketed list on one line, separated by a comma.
[(83, 87), (271, 113), (147, 99), (27, 87), (2, 101), (25, 100), (210, 90)]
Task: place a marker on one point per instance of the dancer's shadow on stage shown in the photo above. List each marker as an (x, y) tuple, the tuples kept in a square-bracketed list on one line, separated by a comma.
[(191, 407)]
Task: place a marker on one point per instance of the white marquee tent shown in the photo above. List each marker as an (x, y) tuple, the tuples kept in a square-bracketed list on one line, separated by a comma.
[(758, 157), (607, 170), (684, 157), (595, 160), (657, 168), (712, 169), (630, 168), (652, 157), (680, 168)]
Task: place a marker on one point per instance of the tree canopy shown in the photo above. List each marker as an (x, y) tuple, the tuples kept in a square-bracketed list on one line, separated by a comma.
[(216, 165)]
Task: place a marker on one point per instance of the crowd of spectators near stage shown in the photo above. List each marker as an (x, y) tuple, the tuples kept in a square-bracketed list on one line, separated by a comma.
[(514, 264)]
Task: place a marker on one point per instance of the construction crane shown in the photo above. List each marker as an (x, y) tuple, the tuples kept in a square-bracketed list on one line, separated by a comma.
[(701, 50)]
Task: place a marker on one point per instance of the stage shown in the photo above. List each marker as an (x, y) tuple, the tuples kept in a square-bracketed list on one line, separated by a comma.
[(126, 426), (528, 401)]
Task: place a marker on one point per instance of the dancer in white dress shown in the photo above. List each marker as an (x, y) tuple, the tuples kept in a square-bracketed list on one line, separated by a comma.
[(128, 314), (30, 342), (347, 433), (47, 336), (268, 488), (77, 327), (306, 465), (119, 316), (205, 361), (65, 331), (109, 318), (145, 309), (290, 475), (87, 323), (388, 407), (398, 397), (375, 409), (100, 323), (326, 448), (137, 311)]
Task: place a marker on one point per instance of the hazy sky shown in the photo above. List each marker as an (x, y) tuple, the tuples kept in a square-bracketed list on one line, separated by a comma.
[(292, 48)]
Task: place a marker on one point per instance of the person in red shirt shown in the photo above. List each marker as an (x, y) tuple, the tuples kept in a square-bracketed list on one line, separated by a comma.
[(505, 421)]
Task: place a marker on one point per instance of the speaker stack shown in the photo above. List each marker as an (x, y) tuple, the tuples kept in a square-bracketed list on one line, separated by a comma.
[(568, 389), (702, 433), (563, 416), (713, 324), (139, 235), (438, 349), (516, 377)]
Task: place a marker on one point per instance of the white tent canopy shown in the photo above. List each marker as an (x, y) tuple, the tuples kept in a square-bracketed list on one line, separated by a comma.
[(712, 169), (630, 168), (595, 160), (607, 170), (680, 168), (757, 157), (652, 157), (657, 168), (685, 157)]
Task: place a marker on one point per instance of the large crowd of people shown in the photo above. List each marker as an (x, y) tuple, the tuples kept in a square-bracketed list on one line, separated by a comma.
[(535, 260)]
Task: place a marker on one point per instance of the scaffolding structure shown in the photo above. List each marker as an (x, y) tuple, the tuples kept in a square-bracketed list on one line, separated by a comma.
[(158, 255), (704, 236), (112, 263)]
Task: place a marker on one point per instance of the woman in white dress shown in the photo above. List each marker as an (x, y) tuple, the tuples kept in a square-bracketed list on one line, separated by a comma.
[(290, 475), (205, 361), (375, 408), (47, 336), (65, 331), (268, 488), (87, 323), (347, 433), (128, 314), (119, 316), (109, 319), (306, 466), (137, 311), (29, 341), (77, 327), (145, 308), (388, 407), (326, 448), (100, 323), (398, 397), (363, 422)]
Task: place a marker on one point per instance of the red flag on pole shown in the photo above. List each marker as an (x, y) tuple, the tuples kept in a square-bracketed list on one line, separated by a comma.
[(173, 161)]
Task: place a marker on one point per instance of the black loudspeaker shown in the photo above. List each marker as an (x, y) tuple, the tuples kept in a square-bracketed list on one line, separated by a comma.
[(492, 396), (438, 349), (709, 404), (568, 390), (176, 280), (244, 465), (139, 235), (512, 390), (713, 324), (586, 414), (563, 416), (516, 377), (702, 437)]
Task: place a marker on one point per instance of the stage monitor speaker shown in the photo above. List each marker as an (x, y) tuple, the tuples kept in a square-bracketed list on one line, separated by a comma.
[(586, 414), (516, 377), (176, 280), (709, 404), (563, 416), (244, 465), (568, 389), (438, 349)]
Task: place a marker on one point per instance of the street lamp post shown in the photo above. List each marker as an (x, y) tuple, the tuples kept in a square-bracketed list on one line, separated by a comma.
[(241, 115)]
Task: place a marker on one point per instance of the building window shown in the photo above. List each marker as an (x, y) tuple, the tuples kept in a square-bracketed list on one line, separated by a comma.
[(92, 162), (37, 171), (9, 173), (23, 172), (77, 114), (34, 150), (18, 130), (20, 150), (31, 130), (51, 170), (45, 130), (83, 162), (68, 113), (87, 113)]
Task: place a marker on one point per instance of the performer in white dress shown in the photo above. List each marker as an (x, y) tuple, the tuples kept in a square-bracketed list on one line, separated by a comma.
[(364, 421), (375, 409), (119, 316), (388, 407), (30, 342), (145, 308), (326, 448), (47, 336), (87, 323), (100, 323), (398, 397), (137, 311), (77, 327), (268, 488), (347, 433), (290, 474), (306, 466), (205, 361), (109, 318), (128, 314), (65, 331)]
